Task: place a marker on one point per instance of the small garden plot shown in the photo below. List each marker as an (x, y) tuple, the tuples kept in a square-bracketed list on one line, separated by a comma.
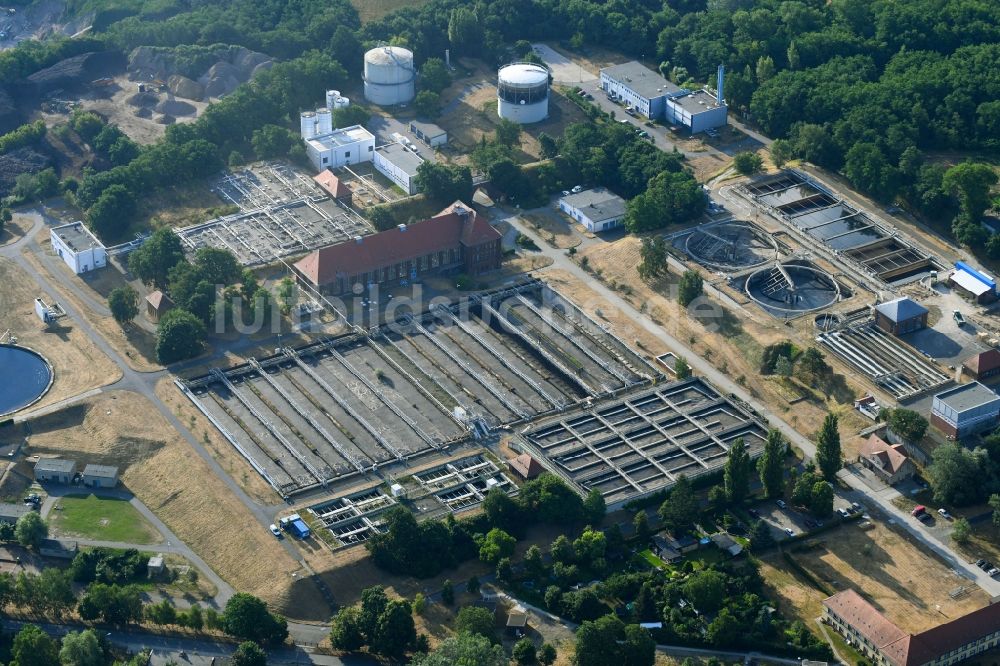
[(101, 518)]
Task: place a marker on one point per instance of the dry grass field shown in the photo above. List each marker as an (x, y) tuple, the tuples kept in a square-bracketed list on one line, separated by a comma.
[(124, 429), (556, 230), (76, 361), (911, 586)]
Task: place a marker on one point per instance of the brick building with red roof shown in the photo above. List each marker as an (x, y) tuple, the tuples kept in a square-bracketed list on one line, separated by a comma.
[(455, 240), (885, 644)]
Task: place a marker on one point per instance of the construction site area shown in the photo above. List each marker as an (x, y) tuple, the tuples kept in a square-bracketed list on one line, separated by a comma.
[(634, 445), (282, 213), (811, 210), (307, 417)]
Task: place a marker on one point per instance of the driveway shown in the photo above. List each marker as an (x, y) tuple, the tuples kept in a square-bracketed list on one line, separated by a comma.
[(563, 69)]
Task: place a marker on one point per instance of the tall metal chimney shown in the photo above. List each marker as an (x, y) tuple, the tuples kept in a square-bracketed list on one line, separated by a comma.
[(447, 58), (718, 86)]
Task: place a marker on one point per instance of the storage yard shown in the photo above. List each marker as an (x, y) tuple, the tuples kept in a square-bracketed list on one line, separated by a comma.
[(639, 444), (812, 210), (282, 213), (304, 418)]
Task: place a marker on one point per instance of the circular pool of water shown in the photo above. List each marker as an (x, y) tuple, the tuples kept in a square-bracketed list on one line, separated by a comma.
[(25, 376)]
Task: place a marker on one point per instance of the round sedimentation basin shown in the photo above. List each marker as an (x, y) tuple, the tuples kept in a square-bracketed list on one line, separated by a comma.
[(26, 377)]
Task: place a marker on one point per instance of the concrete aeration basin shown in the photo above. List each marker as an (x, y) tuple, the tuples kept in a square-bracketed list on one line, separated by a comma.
[(793, 288), (731, 246), (28, 377)]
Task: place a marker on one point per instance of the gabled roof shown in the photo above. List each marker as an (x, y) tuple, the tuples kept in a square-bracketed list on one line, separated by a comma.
[(891, 458), (870, 623), (984, 362), (456, 225), (159, 300), (55, 465), (901, 309), (526, 466), (332, 185), (944, 638)]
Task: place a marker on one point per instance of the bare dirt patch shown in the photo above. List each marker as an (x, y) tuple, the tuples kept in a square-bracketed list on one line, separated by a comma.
[(124, 429), (907, 583), (77, 363), (556, 230), (14, 230)]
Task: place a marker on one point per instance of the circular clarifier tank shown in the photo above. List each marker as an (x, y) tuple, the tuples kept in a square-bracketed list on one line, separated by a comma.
[(26, 377), (793, 288), (732, 246)]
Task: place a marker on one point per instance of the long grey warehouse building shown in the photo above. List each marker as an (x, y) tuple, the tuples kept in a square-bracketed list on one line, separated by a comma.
[(657, 98)]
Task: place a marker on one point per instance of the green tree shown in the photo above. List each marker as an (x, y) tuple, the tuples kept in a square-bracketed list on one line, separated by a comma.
[(957, 475), (448, 593), (287, 295), (679, 511), (548, 145), (124, 304), (760, 536), (396, 632), (472, 586), (111, 603), (496, 545), (247, 617), (821, 500), (152, 261), (765, 68), (747, 162), (81, 649), (783, 366), (906, 423), (828, 456), (180, 335), (248, 653), (444, 183), (419, 603), (640, 524), (961, 531), (507, 133), (434, 75), (653, 254), (994, 502), (546, 654), (737, 472), (31, 530), (597, 642), (706, 590), (689, 288), (464, 31), (374, 601), (347, 116), (427, 104), (477, 620), (771, 465), (33, 647), (218, 267), (970, 183), (681, 368), (272, 141), (464, 650), (524, 652), (781, 152), (638, 648), (594, 507), (110, 215), (345, 629)]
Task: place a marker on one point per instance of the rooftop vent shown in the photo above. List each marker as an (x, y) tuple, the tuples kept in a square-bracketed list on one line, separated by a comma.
[(401, 227), (357, 239)]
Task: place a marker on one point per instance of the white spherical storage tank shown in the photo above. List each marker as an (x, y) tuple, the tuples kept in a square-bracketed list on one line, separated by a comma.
[(523, 92), (389, 75)]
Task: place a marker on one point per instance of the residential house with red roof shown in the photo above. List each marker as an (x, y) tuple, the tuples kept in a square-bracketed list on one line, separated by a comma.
[(456, 240), (984, 365), (889, 461), (885, 644)]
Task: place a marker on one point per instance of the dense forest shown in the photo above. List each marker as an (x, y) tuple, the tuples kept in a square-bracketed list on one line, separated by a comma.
[(879, 90)]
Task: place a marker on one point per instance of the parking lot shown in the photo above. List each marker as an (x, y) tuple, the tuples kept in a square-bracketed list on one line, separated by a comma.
[(789, 518)]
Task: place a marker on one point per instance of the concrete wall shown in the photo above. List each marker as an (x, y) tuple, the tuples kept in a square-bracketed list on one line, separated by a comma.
[(99, 482)]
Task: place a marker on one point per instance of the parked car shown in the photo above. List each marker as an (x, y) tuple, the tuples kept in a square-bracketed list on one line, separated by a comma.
[(577, 189), (275, 531), (810, 523), (986, 565), (781, 504), (789, 531), (944, 513), (958, 317), (918, 510), (993, 572), (856, 506), (843, 512), (980, 562)]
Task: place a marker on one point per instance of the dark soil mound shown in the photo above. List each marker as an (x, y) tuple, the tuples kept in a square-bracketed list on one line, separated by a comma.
[(77, 72), (16, 162)]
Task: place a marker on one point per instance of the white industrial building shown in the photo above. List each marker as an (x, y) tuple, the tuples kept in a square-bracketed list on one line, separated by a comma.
[(389, 75), (523, 92), (429, 133), (337, 148), (653, 96), (598, 209), (399, 164), (78, 247)]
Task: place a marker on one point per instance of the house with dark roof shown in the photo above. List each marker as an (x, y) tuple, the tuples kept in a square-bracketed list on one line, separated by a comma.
[(456, 240), (157, 305), (983, 365), (889, 462), (900, 316), (884, 643)]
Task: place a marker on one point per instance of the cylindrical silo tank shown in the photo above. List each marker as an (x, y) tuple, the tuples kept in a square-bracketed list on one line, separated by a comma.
[(324, 121), (389, 75), (523, 92), (331, 95), (307, 124), (341, 102)]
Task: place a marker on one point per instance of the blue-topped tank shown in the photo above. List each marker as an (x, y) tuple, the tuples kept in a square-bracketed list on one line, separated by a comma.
[(25, 376)]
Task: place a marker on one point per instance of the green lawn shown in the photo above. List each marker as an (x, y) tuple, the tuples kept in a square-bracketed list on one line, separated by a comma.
[(103, 518)]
